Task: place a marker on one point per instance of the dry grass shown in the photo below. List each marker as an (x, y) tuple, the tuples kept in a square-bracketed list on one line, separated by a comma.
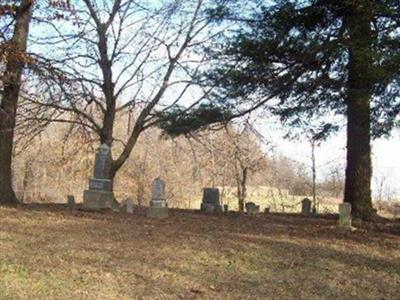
[(52, 253)]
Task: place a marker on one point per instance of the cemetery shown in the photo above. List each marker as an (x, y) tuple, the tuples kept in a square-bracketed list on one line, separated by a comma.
[(199, 149), (155, 251)]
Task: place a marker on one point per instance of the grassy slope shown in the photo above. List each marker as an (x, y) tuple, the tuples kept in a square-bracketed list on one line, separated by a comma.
[(55, 254), (265, 196)]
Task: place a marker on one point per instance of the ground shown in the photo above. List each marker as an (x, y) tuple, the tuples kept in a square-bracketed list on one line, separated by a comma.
[(50, 252)]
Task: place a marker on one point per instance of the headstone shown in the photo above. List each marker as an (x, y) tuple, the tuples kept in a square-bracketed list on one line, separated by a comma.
[(252, 208), (267, 210), (210, 202), (158, 208), (226, 208), (345, 215), (306, 207), (129, 206), (158, 193), (102, 163), (100, 193), (71, 201)]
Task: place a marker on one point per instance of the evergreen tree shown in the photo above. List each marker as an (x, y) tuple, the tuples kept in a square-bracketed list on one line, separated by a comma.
[(305, 59)]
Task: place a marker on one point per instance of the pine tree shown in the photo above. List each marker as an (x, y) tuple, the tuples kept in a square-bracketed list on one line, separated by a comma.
[(305, 59)]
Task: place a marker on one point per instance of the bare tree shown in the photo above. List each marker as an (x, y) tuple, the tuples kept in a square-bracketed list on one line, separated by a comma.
[(234, 156), (333, 183), (384, 187), (117, 58), (245, 158), (17, 19)]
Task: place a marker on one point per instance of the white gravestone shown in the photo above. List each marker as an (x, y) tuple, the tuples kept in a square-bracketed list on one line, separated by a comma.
[(158, 208), (345, 215), (129, 206), (158, 193)]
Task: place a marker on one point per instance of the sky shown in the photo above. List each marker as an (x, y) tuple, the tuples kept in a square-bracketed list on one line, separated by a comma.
[(332, 152)]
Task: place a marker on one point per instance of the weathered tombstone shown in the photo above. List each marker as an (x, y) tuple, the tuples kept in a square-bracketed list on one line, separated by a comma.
[(345, 215), (129, 206), (158, 208), (210, 202), (252, 208), (100, 193), (306, 207), (267, 210), (71, 201), (226, 208)]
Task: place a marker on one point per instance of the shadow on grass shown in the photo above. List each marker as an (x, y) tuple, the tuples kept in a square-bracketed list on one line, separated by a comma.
[(198, 249)]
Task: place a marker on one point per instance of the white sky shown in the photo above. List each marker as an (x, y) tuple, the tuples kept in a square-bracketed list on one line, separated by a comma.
[(385, 157)]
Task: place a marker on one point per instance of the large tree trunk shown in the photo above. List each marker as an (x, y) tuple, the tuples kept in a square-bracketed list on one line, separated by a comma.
[(8, 107), (359, 169), (360, 83)]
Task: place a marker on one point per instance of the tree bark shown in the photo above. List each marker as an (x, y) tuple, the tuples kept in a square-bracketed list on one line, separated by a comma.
[(106, 136), (314, 177), (8, 107), (242, 188), (360, 84)]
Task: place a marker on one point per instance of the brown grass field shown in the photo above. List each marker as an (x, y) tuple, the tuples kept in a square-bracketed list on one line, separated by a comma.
[(50, 252)]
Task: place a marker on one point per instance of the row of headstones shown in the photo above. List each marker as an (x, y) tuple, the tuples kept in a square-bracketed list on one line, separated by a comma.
[(100, 194), (158, 208), (211, 203), (345, 220)]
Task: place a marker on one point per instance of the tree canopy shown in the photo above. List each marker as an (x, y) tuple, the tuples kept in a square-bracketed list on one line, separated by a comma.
[(313, 59)]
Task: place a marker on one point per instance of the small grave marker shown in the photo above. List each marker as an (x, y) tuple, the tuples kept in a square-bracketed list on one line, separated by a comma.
[(306, 207), (129, 206), (71, 201), (252, 208), (345, 215)]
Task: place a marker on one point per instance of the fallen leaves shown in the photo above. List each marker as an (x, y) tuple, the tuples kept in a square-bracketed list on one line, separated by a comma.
[(80, 255)]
